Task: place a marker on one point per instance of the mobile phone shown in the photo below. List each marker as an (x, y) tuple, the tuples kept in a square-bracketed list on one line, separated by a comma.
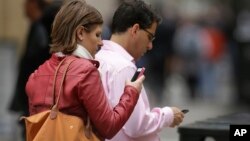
[(138, 73), (185, 111)]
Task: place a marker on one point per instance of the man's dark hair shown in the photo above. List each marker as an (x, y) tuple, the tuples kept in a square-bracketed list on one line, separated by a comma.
[(132, 12)]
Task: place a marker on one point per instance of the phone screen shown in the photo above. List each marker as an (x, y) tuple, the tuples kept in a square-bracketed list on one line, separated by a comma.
[(138, 73), (185, 111)]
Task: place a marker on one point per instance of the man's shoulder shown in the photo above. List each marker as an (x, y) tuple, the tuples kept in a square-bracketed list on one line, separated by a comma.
[(109, 55), (112, 59)]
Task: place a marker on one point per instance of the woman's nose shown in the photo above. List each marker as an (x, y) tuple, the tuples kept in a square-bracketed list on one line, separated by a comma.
[(100, 44)]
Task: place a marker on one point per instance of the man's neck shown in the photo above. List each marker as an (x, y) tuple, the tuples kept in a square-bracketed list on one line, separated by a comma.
[(121, 39)]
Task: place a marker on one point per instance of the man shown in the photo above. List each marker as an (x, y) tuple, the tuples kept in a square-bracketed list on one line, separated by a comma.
[(133, 28)]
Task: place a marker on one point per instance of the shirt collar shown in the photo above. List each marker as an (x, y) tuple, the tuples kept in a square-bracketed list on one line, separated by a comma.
[(113, 46)]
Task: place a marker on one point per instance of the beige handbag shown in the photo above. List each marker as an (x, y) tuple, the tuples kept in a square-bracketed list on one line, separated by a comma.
[(53, 125)]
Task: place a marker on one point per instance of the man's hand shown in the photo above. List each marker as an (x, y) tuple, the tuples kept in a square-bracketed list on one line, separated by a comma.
[(178, 116)]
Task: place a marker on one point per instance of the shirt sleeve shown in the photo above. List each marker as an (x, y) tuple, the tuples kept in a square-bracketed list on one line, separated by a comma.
[(108, 121), (142, 121)]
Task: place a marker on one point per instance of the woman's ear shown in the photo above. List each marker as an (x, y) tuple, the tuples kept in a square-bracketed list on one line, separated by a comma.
[(80, 32)]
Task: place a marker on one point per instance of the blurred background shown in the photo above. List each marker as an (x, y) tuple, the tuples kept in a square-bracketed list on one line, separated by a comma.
[(200, 60)]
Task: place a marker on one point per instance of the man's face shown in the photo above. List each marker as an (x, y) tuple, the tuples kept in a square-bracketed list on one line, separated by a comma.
[(144, 41)]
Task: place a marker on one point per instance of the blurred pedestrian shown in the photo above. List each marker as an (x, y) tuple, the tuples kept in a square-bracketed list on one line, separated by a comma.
[(36, 51)]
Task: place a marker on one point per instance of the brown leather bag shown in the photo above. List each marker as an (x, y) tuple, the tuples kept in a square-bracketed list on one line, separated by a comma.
[(53, 125)]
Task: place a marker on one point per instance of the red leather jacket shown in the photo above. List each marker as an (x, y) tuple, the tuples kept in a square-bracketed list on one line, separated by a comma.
[(83, 95)]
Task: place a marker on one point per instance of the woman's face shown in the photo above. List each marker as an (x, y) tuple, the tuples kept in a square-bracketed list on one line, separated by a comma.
[(92, 40)]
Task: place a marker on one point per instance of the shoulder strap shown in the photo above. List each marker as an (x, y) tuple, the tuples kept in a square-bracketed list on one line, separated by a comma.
[(54, 82), (54, 109)]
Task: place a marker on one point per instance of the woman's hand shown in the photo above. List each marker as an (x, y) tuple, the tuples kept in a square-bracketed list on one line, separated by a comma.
[(137, 83)]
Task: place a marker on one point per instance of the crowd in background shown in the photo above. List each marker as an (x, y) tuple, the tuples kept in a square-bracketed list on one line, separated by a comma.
[(198, 43), (192, 43)]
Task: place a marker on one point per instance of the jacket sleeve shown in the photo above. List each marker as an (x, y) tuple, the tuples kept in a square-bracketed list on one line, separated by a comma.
[(107, 120)]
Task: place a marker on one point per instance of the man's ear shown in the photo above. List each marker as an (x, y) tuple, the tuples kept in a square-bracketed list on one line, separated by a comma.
[(135, 28), (80, 33)]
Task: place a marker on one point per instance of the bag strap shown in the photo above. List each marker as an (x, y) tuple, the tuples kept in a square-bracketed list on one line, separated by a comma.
[(54, 81), (54, 109)]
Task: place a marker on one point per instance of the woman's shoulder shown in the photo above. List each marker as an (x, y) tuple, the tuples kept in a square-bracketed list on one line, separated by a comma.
[(83, 64), (84, 61)]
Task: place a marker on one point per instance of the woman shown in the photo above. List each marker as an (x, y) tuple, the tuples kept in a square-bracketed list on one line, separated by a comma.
[(77, 33)]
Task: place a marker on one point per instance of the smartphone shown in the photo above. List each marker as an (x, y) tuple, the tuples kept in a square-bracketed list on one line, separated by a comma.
[(138, 73), (185, 111)]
